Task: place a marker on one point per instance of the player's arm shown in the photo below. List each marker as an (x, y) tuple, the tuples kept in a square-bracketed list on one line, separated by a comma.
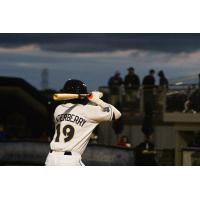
[(106, 107)]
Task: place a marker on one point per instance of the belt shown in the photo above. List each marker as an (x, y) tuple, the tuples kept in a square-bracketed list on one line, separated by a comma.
[(65, 152)]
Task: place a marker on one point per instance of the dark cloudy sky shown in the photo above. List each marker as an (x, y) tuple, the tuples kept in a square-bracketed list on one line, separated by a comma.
[(93, 58)]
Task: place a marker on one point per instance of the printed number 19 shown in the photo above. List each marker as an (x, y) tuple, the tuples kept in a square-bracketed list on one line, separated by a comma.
[(67, 130)]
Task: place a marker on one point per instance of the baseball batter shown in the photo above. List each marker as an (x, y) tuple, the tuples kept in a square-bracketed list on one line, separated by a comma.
[(74, 123)]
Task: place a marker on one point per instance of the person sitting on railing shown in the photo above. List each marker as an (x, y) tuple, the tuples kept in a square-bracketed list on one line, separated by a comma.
[(114, 84), (132, 84), (192, 105)]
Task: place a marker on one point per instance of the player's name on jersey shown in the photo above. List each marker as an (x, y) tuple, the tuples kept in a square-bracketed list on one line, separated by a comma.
[(71, 118)]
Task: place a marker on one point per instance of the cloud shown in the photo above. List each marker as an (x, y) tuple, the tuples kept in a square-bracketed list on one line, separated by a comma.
[(20, 49), (94, 67), (93, 42)]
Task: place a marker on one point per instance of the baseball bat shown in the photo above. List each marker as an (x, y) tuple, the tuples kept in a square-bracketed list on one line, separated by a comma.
[(68, 96)]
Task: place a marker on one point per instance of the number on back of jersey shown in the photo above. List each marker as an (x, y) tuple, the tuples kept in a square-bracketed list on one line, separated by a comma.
[(67, 131)]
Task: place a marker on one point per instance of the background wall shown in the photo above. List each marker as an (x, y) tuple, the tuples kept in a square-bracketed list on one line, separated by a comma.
[(163, 137)]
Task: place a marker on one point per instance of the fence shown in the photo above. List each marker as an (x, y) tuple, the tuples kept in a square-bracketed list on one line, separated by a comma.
[(34, 153), (158, 99)]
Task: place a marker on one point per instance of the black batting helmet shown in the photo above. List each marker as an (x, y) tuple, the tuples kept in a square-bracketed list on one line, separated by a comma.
[(75, 87)]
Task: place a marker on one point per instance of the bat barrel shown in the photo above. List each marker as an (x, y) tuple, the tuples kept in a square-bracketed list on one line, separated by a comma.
[(67, 96), (56, 97)]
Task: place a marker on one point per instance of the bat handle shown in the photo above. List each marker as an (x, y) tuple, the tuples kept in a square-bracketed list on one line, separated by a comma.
[(83, 96)]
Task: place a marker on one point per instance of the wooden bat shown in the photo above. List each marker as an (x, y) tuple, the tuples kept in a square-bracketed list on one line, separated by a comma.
[(68, 96)]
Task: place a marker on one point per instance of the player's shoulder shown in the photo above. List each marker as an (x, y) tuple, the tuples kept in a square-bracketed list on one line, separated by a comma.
[(84, 110), (88, 110), (63, 107), (89, 107)]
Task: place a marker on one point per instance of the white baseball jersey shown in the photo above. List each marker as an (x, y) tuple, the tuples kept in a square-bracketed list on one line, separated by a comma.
[(74, 124)]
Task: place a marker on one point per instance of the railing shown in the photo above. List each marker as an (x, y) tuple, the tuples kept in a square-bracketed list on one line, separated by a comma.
[(158, 100)]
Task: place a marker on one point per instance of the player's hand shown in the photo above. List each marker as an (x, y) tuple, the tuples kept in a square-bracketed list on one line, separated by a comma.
[(95, 97)]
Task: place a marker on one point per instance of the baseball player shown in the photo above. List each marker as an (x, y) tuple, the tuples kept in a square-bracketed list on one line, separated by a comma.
[(75, 121)]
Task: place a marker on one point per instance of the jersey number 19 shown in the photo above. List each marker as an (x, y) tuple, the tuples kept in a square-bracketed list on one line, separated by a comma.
[(67, 131)]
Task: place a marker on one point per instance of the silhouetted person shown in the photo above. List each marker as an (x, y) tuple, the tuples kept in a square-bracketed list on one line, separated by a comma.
[(163, 82), (118, 125), (132, 84), (147, 126), (148, 92), (114, 84), (149, 80), (163, 87), (145, 151)]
